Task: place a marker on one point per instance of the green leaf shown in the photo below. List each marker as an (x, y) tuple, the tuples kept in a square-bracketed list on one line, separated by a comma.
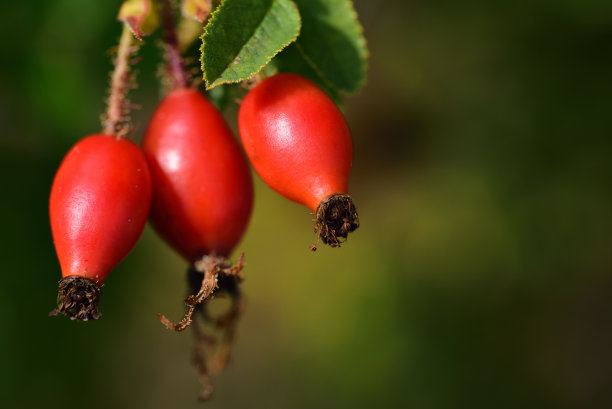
[(242, 36), (141, 16), (332, 42), (291, 59)]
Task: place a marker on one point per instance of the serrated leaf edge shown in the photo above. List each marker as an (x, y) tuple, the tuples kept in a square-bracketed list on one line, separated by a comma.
[(215, 83), (364, 45)]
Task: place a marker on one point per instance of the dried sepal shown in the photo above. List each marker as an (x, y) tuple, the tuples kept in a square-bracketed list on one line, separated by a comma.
[(213, 270), (336, 217)]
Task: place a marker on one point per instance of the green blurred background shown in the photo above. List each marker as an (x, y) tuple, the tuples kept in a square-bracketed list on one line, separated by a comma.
[(481, 276)]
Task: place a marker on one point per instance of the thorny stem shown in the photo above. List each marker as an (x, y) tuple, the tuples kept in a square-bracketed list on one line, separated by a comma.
[(115, 121), (212, 268), (176, 71)]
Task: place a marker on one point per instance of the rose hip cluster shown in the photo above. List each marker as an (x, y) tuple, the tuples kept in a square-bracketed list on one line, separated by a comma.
[(192, 181)]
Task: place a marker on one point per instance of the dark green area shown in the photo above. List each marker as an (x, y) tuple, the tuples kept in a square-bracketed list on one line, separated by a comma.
[(331, 41), (481, 275), (291, 59)]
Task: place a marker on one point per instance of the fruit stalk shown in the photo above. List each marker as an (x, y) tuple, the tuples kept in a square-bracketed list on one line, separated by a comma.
[(176, 71), (115, 121)]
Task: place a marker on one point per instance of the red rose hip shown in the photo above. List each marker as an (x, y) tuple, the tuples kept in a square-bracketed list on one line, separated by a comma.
[(98, 207), (300, 145), (203, 191)]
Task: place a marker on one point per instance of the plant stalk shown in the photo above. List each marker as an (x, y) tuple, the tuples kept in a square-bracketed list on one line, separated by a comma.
[(176, 71), (115, 121)]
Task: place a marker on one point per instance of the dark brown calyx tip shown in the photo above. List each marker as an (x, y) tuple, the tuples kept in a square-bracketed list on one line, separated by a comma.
[(336, 218), (77, 298)]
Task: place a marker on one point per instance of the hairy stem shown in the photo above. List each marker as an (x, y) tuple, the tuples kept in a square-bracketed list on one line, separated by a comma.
[(176, 71), (115, 120)]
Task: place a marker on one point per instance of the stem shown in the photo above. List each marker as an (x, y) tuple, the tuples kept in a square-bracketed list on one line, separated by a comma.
[(178, 76), (115, 121)]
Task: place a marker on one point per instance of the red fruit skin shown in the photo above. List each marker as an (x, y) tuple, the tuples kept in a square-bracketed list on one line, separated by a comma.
[(296, 139), (203, 191), (99, 204)]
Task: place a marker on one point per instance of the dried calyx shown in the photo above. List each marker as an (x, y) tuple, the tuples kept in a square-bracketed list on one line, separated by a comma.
[(211, 277), (336, 218), (213, 271), (213, 340), (77, 298)]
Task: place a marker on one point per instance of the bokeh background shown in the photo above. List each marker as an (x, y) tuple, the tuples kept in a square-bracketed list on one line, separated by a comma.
[(481, 276)]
